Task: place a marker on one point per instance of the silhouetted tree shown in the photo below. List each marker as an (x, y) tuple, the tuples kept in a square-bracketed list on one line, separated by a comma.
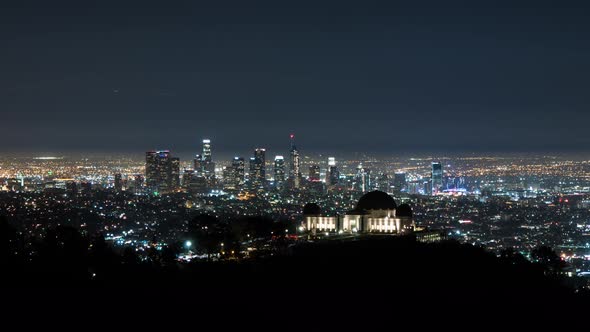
[(207, 232), (512, 256), (170, 253), (545, 256), (130, 257), (63, 253), (102, 259), (8, 240)]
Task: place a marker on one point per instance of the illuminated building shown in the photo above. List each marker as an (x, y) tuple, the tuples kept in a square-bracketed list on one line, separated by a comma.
[(198, 185), (207, 151), (207, 160), (187, 177), (258, 169), (314, 173), (399, 181), (437, 177), (333, 175), (375, 212), (237, 172), (362, 181), (227, 177), (294, 164), (162, 171), (138, 184), (198, 165), (174, 179), (279, 169)]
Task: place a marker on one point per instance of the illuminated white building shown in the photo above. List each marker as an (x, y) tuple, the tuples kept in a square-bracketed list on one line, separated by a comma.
[(375, 212)]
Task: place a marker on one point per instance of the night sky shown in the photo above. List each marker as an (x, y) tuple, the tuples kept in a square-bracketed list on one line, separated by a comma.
[(343, 76)]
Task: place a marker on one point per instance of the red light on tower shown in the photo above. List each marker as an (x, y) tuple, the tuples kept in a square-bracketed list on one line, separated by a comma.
[(292, 136)]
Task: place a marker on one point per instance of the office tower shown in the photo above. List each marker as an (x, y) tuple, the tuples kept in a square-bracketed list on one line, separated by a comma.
[(162, 172), (252, 167), (399, 181), (437, 177), (118, 182), (174, 177), (138, 183), (258, 169), (294, 165), (314, 173), (333, 175), (237, 172), (207, 163), (228, 177), (198, 165), (151, 169), (187, 177), (207, 150), (279, 171), (362, 179)]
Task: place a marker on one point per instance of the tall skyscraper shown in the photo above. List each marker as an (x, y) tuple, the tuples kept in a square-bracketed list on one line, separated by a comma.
[(152, 178), (207, 160), (187, 177), (174, 177), (258, 169), (333, 175), (118, 182), (237, 172), (314, 173), (437, 177), (162, 172), (138, 184), (207, 150), (362, 179), (294, 165), (198, 165), (399, 181), (279, 171)]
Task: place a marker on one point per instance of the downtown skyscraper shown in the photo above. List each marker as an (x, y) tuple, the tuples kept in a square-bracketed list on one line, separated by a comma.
[(333, 175), (294, 164), (207, 163), (162, 171), (258, 169), (279, 174), (237, 173), (437, 177)]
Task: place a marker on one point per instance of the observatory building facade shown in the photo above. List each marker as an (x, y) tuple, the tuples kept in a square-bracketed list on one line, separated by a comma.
[(375, 212)]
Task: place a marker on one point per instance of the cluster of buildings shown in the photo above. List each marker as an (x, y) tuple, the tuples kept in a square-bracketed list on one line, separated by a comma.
[(163, 174)]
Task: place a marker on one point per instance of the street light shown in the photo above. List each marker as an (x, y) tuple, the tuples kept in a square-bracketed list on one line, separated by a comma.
[(188, 244)]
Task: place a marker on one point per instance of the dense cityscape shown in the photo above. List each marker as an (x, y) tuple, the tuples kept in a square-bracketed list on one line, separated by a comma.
[(496, 202), (299, 163)]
